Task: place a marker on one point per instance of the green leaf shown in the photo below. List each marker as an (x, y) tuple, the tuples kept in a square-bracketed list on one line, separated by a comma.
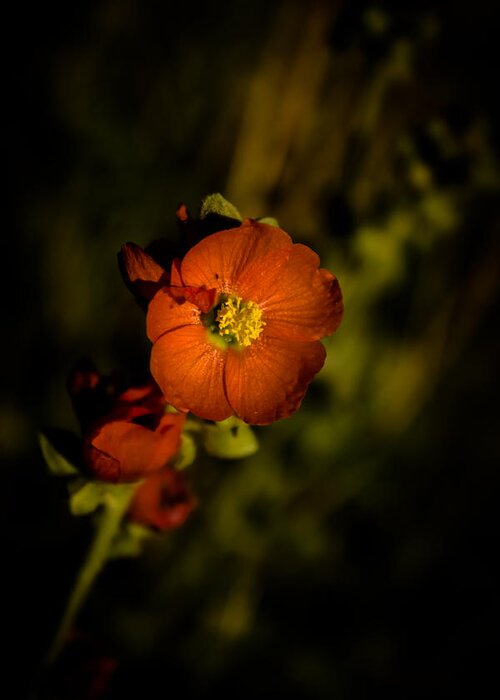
[(230, 439), (129, 541), (270, 220), (215, 204), (56, 462)]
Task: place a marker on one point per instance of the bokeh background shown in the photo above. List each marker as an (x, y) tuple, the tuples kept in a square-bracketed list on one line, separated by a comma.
[(355, 552)]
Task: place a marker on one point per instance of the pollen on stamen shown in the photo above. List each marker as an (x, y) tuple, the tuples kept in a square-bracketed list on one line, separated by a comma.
[(239, 321)]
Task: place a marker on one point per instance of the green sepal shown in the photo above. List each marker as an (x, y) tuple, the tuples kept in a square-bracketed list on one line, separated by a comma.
[(216, 205), (186, 453), (230, 439), (87, 496), (58, 464), (269, 220), (129, 541)]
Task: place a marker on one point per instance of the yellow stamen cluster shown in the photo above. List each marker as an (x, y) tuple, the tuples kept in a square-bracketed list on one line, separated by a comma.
[(239, 321)]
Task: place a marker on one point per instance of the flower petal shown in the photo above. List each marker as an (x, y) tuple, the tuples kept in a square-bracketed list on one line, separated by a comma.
[(127, 451), (190, 371), (140, 272), (201, 297), (162, 501), (83, 377), (145, 399), (165, 313), (300, 301), (175, 273), (218, 260), (268, 380), (137, 394)]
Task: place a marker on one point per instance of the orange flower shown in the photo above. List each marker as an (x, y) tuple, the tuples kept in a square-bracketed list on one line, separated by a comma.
[(162, 501), (237, 330), (127, 436)]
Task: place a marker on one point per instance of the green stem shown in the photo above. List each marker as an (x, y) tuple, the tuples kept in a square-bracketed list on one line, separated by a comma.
[(114, 508)]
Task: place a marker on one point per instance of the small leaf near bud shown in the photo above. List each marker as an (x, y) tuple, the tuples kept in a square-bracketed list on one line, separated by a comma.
[(56, 462), (215, 204), (269, 220)]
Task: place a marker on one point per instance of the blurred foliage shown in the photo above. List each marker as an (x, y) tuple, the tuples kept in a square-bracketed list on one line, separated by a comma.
[(354, 551)]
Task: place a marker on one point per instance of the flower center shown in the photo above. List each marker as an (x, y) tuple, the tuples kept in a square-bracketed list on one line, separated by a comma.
[(239, 321)]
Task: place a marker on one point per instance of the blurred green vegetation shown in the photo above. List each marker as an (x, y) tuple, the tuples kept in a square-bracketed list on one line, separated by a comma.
[(354, 552)]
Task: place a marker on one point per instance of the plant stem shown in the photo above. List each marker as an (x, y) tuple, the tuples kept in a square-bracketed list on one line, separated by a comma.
[(114, 507)]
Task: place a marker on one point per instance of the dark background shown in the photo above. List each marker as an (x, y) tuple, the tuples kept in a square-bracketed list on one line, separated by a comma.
[(355, 552)]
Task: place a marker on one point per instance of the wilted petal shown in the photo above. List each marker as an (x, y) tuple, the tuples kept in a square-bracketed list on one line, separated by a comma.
[(163, 501), (143, 276), (121, 451)]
